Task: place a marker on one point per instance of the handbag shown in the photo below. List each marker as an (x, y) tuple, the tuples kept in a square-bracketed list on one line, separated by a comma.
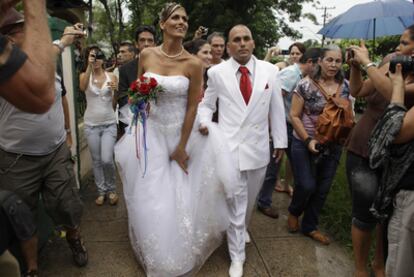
[(337, 118)]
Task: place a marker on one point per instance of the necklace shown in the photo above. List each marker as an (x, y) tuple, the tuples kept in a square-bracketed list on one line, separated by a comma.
[(171, 56)]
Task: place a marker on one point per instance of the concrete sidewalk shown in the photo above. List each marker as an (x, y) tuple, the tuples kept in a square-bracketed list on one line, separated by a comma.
[(273, 252)]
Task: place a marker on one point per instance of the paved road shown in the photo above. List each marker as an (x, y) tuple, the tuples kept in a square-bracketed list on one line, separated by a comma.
[(273, 251)]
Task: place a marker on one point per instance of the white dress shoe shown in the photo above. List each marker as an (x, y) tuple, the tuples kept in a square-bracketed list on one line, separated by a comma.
[(247, 237), (236, 269)]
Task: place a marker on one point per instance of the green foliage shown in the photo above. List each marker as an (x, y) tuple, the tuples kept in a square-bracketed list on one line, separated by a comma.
[(310, 43), (266, 18), (383, 46)]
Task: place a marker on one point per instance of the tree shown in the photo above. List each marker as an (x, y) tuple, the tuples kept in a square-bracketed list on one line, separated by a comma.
[(108, 24), (267, 19)]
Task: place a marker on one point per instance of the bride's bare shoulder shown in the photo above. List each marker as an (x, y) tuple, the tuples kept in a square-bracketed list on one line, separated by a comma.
[(148, 52)]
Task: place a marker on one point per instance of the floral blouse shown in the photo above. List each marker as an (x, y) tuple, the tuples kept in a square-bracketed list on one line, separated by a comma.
[(314, 102)]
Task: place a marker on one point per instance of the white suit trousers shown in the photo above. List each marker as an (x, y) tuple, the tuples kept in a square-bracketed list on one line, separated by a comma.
[(241, 207)]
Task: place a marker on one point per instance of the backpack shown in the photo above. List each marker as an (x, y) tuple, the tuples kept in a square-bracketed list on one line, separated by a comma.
[(336, 120)]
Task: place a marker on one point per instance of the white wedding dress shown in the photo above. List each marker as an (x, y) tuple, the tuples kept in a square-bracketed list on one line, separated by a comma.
[(175, 220)]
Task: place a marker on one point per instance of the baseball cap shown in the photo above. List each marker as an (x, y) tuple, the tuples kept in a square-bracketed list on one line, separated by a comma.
[(11, 18)]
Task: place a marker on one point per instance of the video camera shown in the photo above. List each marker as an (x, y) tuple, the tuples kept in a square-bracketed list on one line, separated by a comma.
[(407, 64)]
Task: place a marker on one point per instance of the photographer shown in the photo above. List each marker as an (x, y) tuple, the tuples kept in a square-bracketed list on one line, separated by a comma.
[(26, 74), (295, 52), (313, 179), (363, 180), (35, 159), (100, 122), (392, 152)]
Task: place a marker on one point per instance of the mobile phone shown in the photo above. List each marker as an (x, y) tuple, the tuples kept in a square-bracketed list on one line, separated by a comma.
[(284, 52)]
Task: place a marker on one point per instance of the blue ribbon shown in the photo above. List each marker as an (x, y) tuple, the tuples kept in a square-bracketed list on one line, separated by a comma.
[(139, 111)]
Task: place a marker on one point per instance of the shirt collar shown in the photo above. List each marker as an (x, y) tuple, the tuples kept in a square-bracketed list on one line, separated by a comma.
[(250, 65), (297, 68)]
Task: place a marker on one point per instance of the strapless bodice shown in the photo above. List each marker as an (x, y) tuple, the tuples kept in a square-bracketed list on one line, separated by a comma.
[(167, 113)]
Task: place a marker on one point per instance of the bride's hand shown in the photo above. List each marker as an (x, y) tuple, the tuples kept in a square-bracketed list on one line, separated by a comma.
[(181, 157)]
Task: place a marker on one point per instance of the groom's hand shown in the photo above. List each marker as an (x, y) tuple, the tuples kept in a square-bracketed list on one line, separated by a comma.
[(203, 130), (278, 154)]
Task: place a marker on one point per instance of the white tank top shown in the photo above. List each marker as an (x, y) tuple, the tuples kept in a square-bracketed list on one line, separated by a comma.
[(99, 109)]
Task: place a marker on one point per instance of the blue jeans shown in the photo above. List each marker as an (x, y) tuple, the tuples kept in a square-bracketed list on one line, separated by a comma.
[(101, 141), (313, 181), (272, 171)]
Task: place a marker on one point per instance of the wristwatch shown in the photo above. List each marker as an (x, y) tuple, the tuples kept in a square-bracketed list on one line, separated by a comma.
[(59, 44)]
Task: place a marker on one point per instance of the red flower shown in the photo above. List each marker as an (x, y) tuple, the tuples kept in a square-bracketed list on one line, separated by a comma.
[(144, 89), (143, 79), (153, 83), (134, 86)]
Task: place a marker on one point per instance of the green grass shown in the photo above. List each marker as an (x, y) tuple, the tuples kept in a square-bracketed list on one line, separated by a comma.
[(336, 214)]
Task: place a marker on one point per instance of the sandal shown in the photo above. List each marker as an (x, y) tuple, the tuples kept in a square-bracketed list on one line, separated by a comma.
[(319, 237), (100, 200), (288, 190), (292, 223)]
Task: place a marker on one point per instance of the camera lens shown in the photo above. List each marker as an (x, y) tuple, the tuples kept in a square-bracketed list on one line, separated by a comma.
[(406, 62)]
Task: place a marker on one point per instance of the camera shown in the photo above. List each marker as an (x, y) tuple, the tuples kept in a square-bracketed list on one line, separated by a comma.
[(82, 28), (320, 147), (100, 56), (284, 52), (203, 30), (407, 64), (350, 54)]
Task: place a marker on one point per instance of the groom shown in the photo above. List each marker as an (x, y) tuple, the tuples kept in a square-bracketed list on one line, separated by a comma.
[(250, 96)]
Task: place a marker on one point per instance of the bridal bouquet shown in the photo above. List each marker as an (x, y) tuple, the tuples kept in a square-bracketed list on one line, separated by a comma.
[(140, 92)]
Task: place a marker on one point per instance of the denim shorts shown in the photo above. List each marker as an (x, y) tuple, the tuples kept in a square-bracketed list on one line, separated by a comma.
[(363, 184)]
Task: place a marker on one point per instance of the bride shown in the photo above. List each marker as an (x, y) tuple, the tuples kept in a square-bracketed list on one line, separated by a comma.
[(177, 207)]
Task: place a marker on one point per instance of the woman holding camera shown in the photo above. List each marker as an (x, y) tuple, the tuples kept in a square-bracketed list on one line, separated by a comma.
[(392, 150), (314, 164), (363, 180), (295, 52), (100, 122)]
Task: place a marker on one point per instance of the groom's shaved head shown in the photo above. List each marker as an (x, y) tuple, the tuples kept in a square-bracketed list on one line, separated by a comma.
[(237, 27), (240, 43)]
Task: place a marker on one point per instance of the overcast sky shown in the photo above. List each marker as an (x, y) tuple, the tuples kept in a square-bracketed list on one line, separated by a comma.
[(308, 29)]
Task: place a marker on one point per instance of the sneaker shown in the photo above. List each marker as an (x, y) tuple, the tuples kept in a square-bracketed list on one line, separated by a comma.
[(100, 200), (113, 198), (80, 255)]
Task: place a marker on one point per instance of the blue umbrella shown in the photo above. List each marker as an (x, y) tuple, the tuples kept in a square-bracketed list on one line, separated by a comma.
[(371, 20)]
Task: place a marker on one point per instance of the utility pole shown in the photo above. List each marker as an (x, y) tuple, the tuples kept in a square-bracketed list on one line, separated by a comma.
[(325, 15)]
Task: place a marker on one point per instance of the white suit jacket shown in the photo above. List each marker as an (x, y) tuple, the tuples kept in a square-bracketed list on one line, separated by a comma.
[(247, 126)]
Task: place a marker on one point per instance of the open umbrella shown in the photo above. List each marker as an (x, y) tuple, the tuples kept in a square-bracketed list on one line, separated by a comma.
[(371, 20)]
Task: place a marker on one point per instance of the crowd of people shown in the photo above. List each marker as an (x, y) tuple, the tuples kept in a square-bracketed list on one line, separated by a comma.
[(212, 143)]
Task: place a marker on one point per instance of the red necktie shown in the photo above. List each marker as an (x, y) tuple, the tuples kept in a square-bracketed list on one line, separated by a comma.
[(245, 84)]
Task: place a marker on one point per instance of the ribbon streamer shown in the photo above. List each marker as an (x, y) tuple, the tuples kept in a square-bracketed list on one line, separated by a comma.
[(140, 115)]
